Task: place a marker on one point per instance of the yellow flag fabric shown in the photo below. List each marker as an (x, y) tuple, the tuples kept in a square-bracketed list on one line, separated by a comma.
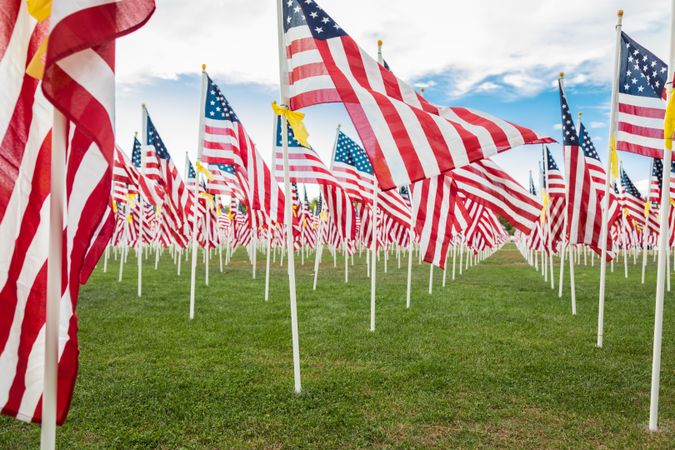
[(130, 219), (614, 159), (36, 67), (204, 171), (39, 9), (295, 121), (669, 123)]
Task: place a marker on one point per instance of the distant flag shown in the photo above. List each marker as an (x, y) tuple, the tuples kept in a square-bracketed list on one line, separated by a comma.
[(584, 216)]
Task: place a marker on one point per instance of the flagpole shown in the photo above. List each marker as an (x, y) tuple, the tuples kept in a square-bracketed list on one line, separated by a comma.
[(139, 244), (605, 200), (283, 79), (663, 244), (645, 228), (570, 248), (195, 209), (54, 277), (547, 216), (373, 262), (319, 249)]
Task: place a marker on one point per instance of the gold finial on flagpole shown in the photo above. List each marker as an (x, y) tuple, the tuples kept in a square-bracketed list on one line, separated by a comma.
[(620, 13), (203, 67), (562, 74)]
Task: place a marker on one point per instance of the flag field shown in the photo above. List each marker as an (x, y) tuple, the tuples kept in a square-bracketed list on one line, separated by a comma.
[(493, 359)]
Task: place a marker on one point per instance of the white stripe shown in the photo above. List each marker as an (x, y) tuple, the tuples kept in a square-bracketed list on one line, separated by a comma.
[(89, 70)]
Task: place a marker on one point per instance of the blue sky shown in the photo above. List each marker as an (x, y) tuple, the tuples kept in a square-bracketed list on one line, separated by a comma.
[(465, 55)]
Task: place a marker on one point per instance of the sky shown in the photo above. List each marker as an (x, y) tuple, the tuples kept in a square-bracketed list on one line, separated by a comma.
[(501, 57)]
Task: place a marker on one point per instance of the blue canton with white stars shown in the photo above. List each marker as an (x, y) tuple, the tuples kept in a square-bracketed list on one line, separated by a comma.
[(217, 107), (657, 170), (225, 168), (587, 144), (551, 162), (641, 72), (292, 142), (628, 186), (568, 128), (349, 152), (156, 141), (191, 171), (136, 153), (307, 12)]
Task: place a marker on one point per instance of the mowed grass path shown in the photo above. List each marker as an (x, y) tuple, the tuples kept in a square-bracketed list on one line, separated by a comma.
[(493, 360)]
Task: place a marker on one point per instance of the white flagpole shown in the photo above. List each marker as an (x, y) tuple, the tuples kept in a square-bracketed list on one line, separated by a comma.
[(125, 240), (195, 209), (207, 242), (105, 258), (373, 262), (54, 275), (139, 244), (605, 201), (663, 252), (547, 216), (267, 265), (319, 248), (254, 241), (283, 78)]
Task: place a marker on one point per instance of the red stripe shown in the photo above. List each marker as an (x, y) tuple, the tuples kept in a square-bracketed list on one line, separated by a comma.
[(642, 111), (220, 131), (639, 149), (307, 71), (637, 130), (10, 12)]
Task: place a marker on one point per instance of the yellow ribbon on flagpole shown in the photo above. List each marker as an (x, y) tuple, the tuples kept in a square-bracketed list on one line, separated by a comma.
[(204, 171), (669, 122), (295, 121), (130, 219), (613, 159), (648, 206)]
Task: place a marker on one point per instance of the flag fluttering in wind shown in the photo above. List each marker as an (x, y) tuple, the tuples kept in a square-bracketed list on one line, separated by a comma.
[(642, 95), (407, 138), (78, 70)]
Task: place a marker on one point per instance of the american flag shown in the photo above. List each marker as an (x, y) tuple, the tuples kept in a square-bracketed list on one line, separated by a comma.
[(632, 199), (223, 133), (79, 76), (486, 183), (555, 185), (353, 169), (642, 107), (656, 181), (261, 188), (433, 203), (409, 138), (191, 175), (584, 215), (592, 159), (225, 181), (304, 163), (165, 173)]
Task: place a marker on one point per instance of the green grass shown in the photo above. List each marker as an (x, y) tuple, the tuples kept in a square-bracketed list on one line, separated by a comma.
[(493, 360)]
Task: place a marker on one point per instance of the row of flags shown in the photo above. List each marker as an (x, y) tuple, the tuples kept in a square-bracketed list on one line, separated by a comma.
[(421, 173)]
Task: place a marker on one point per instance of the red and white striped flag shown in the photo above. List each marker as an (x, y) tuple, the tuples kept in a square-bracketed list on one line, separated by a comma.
[(410, 138), (79, 78)]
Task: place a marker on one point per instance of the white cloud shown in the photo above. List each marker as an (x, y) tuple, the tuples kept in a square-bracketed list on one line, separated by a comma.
[(522, 44), (557, 126), (597, 124)]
